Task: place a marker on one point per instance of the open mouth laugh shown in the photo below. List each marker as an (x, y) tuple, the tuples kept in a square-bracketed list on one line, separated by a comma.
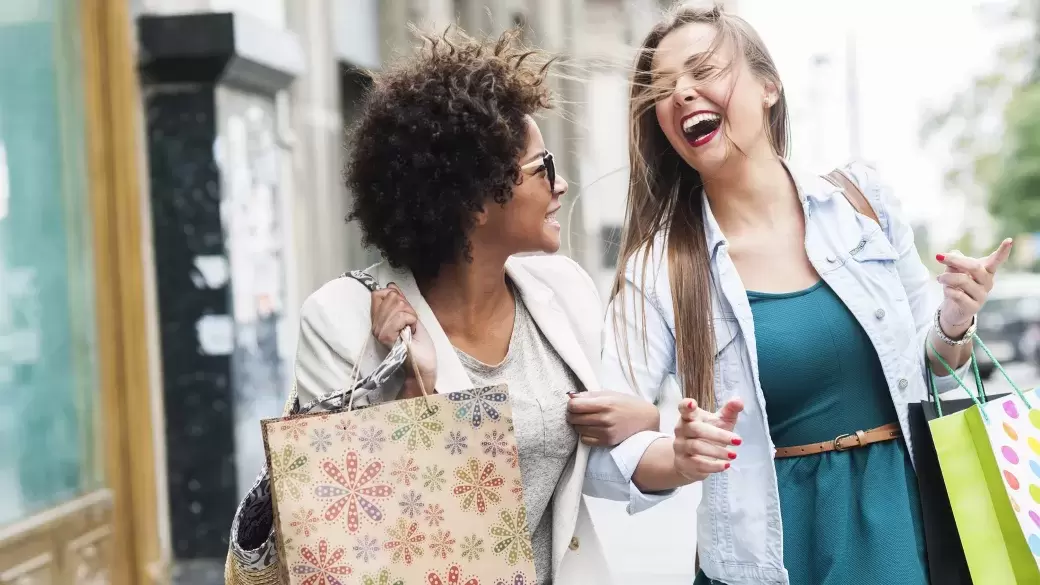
[(700, 128)]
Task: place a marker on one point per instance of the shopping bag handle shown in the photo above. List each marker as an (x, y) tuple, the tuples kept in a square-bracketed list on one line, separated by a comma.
[(978, 379)]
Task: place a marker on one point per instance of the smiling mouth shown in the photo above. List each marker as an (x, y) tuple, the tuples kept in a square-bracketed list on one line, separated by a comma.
[(701, 127), (550, 218)]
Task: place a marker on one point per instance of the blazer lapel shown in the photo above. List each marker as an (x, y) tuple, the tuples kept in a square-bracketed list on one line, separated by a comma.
[(451, 375), (553, 323)]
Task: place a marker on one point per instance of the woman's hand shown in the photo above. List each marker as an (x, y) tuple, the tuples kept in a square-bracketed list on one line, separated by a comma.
[(391, 313), (703, 439), (604, 418), (967, 283)]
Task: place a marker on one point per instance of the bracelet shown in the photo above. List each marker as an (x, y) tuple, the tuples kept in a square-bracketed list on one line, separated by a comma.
[(964, 340)]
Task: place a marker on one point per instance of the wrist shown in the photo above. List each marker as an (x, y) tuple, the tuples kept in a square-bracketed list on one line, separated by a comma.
[(953, 333), (652, 418)]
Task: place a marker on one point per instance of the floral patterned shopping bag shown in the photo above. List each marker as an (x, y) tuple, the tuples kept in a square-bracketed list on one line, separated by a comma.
[(419, 491), (425, 490)]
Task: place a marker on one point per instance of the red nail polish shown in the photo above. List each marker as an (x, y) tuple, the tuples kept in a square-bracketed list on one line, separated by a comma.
[(732, 455), (727, 467), (737, 441), (940, 257)]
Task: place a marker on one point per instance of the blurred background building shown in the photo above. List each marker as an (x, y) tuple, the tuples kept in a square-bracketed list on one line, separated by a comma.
[(170, 192)]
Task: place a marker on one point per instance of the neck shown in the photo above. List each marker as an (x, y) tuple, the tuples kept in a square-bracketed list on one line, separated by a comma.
[(751, 191), (466, 296)]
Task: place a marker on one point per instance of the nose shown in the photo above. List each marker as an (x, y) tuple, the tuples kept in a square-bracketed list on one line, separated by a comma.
[(684, 93), (561, 186)]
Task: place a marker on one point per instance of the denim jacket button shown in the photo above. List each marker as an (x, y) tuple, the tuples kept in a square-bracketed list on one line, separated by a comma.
[(903, 383), (880, 313), (831, 259), (574, 543)]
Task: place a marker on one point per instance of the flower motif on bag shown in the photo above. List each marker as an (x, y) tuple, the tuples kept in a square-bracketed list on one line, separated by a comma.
[(472, 548), (304, 521), (518, 487), (322, 568), (294, 428), (433, 478), (415, 422), (405, 470), (452, 577), (321, 440), (411, 504), (477, 485), (366, 549), (513, 457), (477, 403), (518, 579), (442, 544), (494, 443), (372, 439), (406, 542), (346, 430), (353, 491), (381, 578), (512, 536), (288, 471), (456, 442), (434, 515)]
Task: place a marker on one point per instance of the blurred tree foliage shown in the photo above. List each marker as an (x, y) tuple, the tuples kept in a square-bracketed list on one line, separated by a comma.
[(992, 127)]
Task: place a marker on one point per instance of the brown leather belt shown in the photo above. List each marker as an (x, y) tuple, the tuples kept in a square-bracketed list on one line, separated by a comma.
[(844, 442)]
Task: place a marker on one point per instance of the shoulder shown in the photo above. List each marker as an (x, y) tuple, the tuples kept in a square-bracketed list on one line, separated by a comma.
[(343, 302), (647, 267), (558, 272), (876, 188)]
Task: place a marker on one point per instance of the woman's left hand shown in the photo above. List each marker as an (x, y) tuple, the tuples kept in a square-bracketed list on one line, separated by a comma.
[(966, 285), (605, 418)]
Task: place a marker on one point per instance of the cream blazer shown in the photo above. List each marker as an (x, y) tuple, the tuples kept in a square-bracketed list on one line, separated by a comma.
[(562, 299)]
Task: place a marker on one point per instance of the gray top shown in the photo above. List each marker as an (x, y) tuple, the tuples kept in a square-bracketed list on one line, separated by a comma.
[(538, 383)]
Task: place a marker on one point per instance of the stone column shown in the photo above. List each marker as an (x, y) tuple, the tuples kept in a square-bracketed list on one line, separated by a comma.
[(216, 181)]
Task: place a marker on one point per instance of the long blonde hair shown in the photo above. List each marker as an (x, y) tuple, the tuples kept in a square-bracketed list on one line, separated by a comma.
[(664, 194)]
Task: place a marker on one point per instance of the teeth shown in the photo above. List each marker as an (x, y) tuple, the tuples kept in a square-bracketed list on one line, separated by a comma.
[(551, 217), (690, 122)]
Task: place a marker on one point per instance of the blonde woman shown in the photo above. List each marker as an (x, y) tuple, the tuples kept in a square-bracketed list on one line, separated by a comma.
[(798, 326)]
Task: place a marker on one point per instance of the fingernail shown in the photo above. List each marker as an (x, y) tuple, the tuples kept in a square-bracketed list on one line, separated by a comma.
[(727, 467), (737, 441), (732, 455), (572, 394), (940, 257), (689, 404)]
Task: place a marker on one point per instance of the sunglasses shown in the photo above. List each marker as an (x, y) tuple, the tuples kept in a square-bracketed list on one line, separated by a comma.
[(546, 163)]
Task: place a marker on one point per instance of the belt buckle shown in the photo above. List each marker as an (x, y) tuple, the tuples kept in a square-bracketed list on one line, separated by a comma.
[(837, 442)]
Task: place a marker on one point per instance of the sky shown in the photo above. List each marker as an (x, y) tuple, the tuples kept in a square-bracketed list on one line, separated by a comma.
[(911, 55)]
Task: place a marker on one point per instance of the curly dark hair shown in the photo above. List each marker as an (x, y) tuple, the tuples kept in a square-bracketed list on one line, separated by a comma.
[(438, 137)]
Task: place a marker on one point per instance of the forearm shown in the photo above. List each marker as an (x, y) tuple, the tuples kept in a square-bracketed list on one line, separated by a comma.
[(954, 355), (656, 471)]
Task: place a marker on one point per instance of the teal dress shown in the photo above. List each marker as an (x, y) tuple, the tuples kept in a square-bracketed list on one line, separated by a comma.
[(851, 516)]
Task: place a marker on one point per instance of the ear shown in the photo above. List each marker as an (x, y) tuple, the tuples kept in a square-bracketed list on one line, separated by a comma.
[(481, 217), (771, 94)]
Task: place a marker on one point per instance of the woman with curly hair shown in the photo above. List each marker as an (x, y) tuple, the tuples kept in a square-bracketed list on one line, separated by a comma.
[(452, 181)]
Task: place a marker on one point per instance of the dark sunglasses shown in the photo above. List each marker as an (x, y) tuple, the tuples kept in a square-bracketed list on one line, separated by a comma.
[(546, 163)]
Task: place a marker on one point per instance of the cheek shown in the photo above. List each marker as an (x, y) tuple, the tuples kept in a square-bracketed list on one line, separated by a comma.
[(666, 120)]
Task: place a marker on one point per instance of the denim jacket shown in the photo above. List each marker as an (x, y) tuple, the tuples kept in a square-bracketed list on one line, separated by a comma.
[(877, 273)]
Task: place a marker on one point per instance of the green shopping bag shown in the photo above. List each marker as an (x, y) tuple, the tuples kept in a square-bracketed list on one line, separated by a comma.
[(994, 544)]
